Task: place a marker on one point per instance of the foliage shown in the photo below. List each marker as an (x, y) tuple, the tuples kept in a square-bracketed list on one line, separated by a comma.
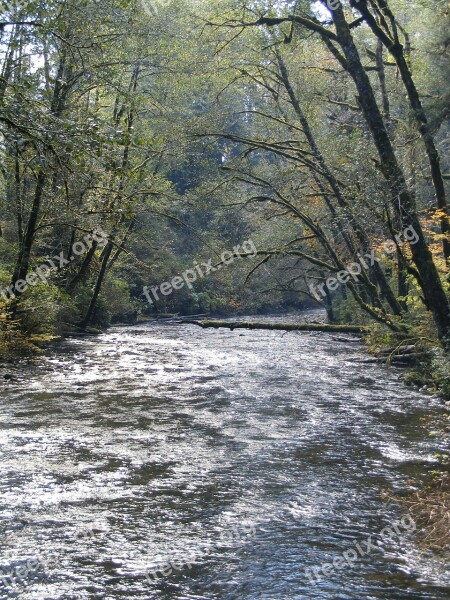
[(441, 372), (184, 133), (13, 342)]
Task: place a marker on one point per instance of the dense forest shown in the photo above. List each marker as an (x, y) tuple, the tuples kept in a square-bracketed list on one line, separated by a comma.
[(166, 164), (177, 131), (297, 148)]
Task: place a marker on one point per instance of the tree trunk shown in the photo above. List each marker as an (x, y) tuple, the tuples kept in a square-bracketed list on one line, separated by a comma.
[(107, 251), (23, 259), (402, 200), (377, 271), (98, 286), (280, 326), (394, 46), (82, 273)]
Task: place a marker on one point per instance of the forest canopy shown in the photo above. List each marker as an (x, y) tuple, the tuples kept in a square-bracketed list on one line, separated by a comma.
[(139, 139)]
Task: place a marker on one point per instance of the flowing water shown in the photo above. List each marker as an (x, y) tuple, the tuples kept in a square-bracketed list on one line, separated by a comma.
[(170, 462)]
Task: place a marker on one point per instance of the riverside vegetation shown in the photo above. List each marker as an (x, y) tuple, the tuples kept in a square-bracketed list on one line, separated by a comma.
[(185, 130)]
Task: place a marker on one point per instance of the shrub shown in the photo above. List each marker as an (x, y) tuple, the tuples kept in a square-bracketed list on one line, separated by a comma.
[(13, 342)]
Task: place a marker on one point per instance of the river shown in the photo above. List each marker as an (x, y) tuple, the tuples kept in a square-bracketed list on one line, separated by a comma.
[(169, 462)]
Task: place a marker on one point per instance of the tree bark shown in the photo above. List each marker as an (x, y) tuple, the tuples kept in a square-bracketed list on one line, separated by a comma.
[(402, 200), (107, 251), (98, 286), (378, 273), (23, 259), (82, 273), (393, 45), (279, 326)]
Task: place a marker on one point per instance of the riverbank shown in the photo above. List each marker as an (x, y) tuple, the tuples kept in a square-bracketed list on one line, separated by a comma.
[(424, 364)]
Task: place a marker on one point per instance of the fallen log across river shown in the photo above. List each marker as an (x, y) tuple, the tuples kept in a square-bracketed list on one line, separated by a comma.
[(356, 329)]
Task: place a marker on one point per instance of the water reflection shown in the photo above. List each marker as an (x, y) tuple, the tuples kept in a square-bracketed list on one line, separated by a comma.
[(147, 444)]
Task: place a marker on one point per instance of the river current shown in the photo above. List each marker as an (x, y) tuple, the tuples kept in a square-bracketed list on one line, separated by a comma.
[(169, 462)]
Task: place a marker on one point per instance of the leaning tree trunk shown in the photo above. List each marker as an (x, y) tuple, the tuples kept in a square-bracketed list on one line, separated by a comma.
[(109, 247), (84, 268), (23, 259), (392, 43), (377, 271), (98, 286), (402, 199)]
